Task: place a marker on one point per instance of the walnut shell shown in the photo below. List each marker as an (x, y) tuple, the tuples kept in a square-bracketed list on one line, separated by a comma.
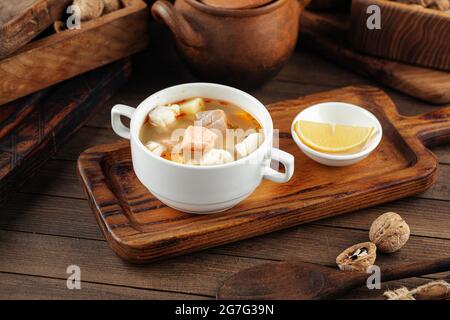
[(389, 232), (358, 257), (111, 5), (89, 9)]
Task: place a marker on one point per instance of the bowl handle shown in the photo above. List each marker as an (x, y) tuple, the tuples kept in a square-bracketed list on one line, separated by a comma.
[(287, 160), (119, 128)]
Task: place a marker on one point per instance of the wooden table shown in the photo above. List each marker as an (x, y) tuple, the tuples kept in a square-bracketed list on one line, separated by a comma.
[(48, 225)]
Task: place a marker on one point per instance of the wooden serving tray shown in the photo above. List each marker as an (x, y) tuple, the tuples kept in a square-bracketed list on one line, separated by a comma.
[(22, 20), (64, 55), (139, 228), (408, 33), (33, 128), (327, 34)]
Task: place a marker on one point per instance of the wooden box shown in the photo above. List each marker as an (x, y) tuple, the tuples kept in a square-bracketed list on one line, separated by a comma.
[(21, 21), (408, 33), (67, 54)]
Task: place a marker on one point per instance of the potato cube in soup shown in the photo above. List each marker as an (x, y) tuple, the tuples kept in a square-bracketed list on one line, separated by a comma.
[(212, 119), (155, 147), (198, 139), (249, 145), (192, 106), (216, 156), (164, 116)]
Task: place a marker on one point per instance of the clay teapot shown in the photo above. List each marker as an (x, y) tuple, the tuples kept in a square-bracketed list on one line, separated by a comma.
[(242, 47)]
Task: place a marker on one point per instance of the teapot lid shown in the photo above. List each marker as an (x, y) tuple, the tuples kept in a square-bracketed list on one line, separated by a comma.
[(236, 4)]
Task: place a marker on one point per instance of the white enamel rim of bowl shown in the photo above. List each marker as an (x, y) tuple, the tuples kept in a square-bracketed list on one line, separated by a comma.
[(374, 142), (267, 131)]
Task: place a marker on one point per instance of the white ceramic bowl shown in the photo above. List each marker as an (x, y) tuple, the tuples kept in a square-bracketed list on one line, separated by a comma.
[(202, 189), (339, 113)]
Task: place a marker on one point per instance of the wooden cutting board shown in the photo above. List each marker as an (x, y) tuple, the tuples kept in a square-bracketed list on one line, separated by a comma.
[(22, 20), (67, 54), (139, 228), (327, 34), (33, 128)]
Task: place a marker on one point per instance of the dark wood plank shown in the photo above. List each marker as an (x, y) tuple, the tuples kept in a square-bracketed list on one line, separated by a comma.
[(35, 130), (67, 183), (441, 190), (86, 138), (200, 273), (322, 244), (43, 214), (305, 74), (50, 215), (427, 218), (19, 287), (49, 256)]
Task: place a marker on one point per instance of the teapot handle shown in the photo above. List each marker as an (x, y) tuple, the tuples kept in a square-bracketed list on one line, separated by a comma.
[(164, 11)]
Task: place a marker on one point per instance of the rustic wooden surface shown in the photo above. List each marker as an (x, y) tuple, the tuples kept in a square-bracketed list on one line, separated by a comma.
[(140, 228), (33, 128), (327, 34), (408, 33), (48, 225), (64, 55)]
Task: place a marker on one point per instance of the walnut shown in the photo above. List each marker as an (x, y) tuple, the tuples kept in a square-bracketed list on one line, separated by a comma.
[(389, 232), (358, 257), (111, 5), (89, 9)]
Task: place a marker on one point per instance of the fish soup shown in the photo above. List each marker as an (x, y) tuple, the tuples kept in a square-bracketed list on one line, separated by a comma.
[(201, 131)]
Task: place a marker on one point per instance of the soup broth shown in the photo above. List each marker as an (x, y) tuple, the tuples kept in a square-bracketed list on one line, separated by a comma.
[(201, 132)]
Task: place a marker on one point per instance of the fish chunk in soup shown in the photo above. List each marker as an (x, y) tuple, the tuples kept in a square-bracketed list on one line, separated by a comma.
[(201, 132), (212, 119)]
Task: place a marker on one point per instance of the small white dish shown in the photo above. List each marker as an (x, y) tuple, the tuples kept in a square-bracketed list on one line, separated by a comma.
[(339, 113)]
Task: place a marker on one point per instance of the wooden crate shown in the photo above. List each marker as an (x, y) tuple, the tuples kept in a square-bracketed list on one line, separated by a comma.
[(408, 33), (21, 21), (67, 54)]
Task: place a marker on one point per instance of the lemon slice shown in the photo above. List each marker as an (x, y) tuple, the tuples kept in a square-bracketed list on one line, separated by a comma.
[(332, 138)]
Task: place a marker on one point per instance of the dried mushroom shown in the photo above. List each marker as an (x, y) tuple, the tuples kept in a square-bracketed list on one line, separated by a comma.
[(358, 257), (89, 9), (389, 232), (111, 5)]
